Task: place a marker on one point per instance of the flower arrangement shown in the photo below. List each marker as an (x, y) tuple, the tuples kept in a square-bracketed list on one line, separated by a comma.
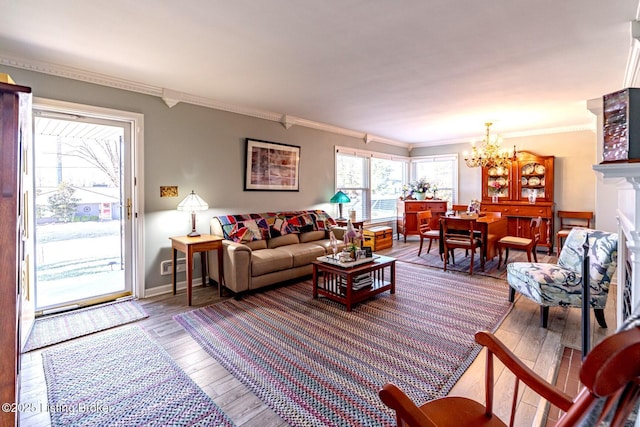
[(474, 207), (497, 185), (420, 186), (352, 239)]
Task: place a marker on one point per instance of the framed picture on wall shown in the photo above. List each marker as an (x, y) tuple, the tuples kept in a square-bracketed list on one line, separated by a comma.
[(272, 166)]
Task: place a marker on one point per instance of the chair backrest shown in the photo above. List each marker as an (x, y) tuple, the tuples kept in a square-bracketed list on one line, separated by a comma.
[(534, 230), (461, 229), (424, 218), (603, 255), (570, 219), (610, 375), (459, 208)]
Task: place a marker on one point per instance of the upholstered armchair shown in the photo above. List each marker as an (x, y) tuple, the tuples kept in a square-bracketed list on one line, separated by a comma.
[(561, 284)]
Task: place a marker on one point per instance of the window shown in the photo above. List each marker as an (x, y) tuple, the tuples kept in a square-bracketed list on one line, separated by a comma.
[(441, 171), (373, 182)]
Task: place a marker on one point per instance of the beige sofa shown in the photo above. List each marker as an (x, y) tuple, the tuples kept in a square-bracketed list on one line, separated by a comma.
[(267, 248)]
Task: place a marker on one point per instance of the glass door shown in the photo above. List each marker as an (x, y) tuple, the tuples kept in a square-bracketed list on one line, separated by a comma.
[(82, 210)]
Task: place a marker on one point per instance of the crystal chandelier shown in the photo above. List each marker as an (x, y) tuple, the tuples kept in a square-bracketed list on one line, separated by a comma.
[(490, 153)]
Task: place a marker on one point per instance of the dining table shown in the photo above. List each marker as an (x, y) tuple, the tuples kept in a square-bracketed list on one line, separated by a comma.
[(493, 228)]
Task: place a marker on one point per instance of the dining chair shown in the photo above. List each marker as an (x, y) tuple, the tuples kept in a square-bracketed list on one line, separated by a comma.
[(560, 284), (611, 388), (569, 220), (527, 244), (426, 232), (461, 233), (459, 208)]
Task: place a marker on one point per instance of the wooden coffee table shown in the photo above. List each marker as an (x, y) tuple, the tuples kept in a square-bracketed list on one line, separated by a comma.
[(338, 282)]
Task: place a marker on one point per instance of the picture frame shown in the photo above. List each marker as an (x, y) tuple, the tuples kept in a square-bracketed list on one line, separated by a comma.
[(271, 166)]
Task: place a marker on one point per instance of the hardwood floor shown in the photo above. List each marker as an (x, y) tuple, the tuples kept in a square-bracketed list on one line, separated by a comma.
[(539, 348)]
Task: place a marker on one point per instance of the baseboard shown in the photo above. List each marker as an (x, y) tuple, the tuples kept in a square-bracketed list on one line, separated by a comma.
[(166, 289)]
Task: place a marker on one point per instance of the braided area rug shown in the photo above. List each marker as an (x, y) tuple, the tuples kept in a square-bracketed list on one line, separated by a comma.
[(315, 364), (57, 328), (123, 378)]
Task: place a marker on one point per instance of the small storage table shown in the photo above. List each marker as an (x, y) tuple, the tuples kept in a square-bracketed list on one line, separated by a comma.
[(378, 238), (338, 281)]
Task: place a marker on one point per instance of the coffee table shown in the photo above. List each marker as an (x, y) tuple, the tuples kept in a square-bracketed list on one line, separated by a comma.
[(338, 281)]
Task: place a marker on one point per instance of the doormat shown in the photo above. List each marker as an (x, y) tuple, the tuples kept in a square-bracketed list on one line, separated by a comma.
[(123, 378), (57, 328)]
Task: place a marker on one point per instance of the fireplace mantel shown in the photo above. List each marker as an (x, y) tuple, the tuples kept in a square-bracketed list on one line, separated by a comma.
[(626, 177)]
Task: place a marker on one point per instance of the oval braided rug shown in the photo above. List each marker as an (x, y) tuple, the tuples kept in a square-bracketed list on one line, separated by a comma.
[(315, 364)]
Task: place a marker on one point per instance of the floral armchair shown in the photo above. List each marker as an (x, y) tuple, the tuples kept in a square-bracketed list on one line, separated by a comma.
[(561, 284)]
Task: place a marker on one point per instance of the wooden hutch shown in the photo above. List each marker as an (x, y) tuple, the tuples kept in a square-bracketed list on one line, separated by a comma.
[(407, 210), (522, 191)]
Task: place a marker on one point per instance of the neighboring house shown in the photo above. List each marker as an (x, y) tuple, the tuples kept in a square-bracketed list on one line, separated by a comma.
[(93, 203)]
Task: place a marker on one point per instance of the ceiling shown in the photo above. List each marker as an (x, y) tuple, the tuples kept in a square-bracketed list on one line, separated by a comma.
[(421, 72)]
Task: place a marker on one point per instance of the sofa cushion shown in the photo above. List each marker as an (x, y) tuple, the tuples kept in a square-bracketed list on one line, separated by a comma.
[(312, 235), (304, 253), (269, 260), (289, 239), (256, 244)]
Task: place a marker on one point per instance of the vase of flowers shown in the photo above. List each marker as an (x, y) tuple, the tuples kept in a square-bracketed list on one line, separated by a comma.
[(419, 188), (352, 240)]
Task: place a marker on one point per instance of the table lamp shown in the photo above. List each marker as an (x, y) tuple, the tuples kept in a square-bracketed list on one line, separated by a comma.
[(193, 203), (340, 198)]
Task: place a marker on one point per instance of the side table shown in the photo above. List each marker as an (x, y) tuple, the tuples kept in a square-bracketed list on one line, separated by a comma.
[(190, 245), (356, 224)]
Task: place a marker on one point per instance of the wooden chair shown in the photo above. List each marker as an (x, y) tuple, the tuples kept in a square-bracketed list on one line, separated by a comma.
[(526, 244), (606, 373), (459, 208), (461, 233), (568, 220), (426, 232)]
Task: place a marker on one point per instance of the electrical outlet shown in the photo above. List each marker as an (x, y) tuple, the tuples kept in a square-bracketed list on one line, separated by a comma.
[(165, 266)]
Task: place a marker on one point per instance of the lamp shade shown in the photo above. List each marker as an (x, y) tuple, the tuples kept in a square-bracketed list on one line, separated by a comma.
[(193, 203), (340, 197)]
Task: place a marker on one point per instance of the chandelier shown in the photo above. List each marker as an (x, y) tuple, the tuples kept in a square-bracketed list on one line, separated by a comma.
[(490, 153)]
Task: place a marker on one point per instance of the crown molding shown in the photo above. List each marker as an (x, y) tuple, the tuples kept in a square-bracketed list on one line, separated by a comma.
[(171, 98)]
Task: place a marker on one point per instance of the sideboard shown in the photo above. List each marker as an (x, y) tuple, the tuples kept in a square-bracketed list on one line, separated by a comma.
[(407, 210)]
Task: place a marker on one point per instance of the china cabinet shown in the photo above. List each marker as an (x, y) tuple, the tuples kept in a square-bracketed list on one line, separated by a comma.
[(407, 211), (15, 125), (521, 191)]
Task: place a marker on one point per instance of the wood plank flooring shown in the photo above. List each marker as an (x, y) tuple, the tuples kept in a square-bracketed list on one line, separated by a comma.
[(539, 348)]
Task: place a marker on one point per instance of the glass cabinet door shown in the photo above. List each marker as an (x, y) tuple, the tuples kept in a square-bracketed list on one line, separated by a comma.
[(498, 181), (533, 180)]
